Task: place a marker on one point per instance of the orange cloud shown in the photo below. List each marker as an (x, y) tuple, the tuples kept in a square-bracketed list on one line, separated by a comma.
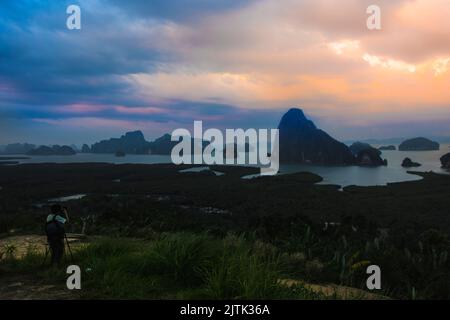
[(317, 54)]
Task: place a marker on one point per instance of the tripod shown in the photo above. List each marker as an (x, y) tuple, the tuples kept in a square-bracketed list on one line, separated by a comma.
[(47, 250), (68, 246)]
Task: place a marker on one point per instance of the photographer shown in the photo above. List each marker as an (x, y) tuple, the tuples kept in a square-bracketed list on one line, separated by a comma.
[(55, 232)]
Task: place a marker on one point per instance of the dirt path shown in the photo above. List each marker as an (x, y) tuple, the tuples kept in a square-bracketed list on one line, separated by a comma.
[(333, 290), (21, 244), (27, 287)]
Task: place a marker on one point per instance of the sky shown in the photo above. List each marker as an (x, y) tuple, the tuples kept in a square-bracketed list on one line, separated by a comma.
[(159, 65)]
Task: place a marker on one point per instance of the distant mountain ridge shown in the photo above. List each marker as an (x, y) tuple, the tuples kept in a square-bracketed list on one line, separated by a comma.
[(55, 150), (418, 144), (396, 141), (357, 147), (163, 145), (17, 148), (387, 148), (138, 145), (31, 149), (130, 143), (302, 142), (366, 155), (133, 143)]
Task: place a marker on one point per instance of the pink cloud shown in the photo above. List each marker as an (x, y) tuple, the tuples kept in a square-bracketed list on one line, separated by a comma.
[(139, 110), (82, 108), (89, 122)]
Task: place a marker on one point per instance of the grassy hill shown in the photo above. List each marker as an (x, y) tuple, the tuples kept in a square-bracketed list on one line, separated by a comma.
[(320, 235)]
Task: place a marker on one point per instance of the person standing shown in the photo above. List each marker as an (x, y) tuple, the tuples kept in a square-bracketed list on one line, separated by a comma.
[(55, 232)]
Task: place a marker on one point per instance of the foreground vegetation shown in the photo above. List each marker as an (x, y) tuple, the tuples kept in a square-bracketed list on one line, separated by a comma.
[(310, 233), (174, 266)]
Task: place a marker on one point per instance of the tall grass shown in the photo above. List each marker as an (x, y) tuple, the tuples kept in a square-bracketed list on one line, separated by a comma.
[(243, 270), (181, 265), (181, 257)]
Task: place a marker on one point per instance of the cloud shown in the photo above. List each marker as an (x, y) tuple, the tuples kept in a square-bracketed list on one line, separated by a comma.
[(440, 66), (339, 47), (176, 10), (390, 64), (228, 62), (416, 31), (55, 65)]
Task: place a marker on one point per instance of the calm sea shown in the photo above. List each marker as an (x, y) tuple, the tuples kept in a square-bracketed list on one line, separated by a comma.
[(342, 176)]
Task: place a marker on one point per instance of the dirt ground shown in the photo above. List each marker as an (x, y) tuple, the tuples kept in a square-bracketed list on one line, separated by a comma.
[(19, 245), (27, 287), (333, 290)]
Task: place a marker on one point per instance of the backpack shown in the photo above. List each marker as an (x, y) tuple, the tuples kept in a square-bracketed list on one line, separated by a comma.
[(54, 229)]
